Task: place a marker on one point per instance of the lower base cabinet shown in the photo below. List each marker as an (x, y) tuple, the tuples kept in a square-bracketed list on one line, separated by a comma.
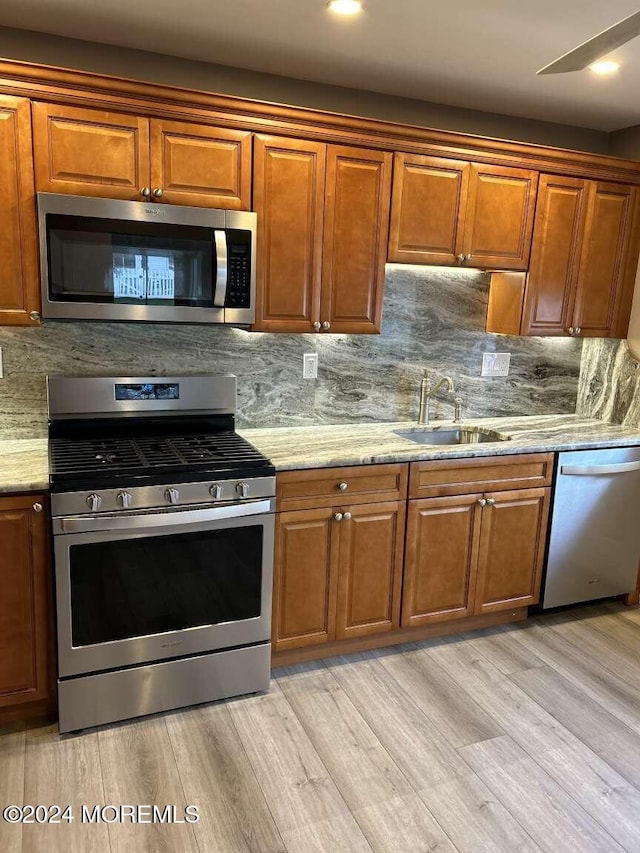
[(25, 607), (473, 554), (338, 573), (468, 544)]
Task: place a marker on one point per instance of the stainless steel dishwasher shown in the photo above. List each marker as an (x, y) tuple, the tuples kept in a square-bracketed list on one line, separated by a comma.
[(594, 547)]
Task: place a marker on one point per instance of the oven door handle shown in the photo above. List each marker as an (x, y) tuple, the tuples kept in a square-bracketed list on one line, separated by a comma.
[(174, 518)]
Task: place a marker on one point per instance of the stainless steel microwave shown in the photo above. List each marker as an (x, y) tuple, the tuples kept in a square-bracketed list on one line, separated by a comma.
[(102, 259)]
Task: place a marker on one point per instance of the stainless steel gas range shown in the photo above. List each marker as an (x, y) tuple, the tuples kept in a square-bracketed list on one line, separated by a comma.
[(163, 527)]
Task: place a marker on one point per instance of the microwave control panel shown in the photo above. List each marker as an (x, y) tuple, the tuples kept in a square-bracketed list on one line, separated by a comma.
[(239, 269)]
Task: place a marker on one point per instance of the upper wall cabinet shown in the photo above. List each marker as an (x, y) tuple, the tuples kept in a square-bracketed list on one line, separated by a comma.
[(458, 213), (19, 290), (323, 213), (583, 264), (89, 152)]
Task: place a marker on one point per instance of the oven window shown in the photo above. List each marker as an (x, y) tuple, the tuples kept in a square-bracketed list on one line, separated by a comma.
[(105, 260), (137, 587)]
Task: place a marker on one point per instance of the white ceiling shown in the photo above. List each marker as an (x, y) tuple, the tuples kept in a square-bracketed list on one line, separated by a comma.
[(481, 55)]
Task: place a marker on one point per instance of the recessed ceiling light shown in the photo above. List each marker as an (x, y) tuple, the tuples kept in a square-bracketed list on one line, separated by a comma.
[(345, 7), (605, 66)]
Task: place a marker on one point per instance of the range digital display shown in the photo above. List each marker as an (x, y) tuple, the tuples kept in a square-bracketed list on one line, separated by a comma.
[(148, 391)]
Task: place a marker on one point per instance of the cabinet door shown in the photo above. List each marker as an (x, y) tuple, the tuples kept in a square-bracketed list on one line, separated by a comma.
[(288, 196), (427, 210), (356, 228), (512, 543), (24, 603), (305, 579), (499, 218), (19, 277), (202, 166), (555, 255), (90, 152), (605, 280), (370, 574), (441, 559)]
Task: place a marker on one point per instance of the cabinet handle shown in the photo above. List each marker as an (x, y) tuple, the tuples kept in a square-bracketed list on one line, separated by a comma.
[(317, 326), (461, 258), (491, 502), (145, 191), (326, 325), (37, 507), (468, 257), (343, 487), (347, 516), (34, 315), (571, 330), (338, 516), (577, 330), (482, 502), (158, 193)]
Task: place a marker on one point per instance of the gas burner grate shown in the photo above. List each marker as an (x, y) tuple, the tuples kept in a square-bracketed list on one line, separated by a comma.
[(141, 455)]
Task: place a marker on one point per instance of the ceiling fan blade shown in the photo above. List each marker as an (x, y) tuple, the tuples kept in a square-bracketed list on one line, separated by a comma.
[(591, 50)]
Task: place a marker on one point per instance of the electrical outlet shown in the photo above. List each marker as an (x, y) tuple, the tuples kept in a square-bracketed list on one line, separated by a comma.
[(310, 365), (495, 363)]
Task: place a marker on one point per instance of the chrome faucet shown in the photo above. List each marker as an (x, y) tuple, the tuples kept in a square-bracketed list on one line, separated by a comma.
[(427, 392)]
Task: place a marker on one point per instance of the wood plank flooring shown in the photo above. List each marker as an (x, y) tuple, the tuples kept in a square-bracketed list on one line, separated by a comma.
[(522, 738)]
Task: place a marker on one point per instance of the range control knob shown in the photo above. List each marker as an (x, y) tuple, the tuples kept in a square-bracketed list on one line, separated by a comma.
[(94, 502), (172, 495), (215, 491), (124, 499), (242, 489)]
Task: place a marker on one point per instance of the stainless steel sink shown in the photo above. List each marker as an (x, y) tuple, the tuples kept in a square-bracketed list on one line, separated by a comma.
[(449, 435)]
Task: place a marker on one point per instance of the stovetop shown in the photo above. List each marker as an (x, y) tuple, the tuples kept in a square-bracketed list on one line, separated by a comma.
[(104, 460)]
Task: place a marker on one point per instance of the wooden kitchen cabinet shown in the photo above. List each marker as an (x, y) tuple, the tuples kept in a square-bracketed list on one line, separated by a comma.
[(25, 607), (511, 553), (581, 277), (478, 553), (459, 213), (338, 565), (324, 213), (116, 155), (19, 277)]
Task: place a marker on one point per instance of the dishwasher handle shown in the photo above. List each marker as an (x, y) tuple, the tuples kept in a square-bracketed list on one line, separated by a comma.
[(594, 470)]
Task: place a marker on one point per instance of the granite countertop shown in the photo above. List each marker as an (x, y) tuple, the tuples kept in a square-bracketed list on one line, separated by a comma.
[(24, 463), (358, 444)]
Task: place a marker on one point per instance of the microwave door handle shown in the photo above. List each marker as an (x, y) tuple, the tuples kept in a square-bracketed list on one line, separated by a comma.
[(222, 269), (147, 521)]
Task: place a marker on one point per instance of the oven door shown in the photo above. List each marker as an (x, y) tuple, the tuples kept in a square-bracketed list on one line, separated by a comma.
[(138, 587)]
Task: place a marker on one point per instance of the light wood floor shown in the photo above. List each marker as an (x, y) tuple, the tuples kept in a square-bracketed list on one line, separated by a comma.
[(522, 738)]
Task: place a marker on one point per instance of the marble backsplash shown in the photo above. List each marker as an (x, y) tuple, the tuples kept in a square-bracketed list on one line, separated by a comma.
[(433, 317), (609, 386)]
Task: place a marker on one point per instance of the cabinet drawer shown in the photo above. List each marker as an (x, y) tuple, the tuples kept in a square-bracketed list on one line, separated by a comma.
[(492, 473), (321, 487)]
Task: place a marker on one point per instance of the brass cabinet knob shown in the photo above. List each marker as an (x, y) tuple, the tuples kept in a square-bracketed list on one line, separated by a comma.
[(482, 502), (34, 315), (461, 258), (571, 330), (145, 191), (491, 502), (343, 487), (347, 516), (37, 507), (338, 516), (317, 325), (468, 257), (326, 325), (158, 193), (577, 330)]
